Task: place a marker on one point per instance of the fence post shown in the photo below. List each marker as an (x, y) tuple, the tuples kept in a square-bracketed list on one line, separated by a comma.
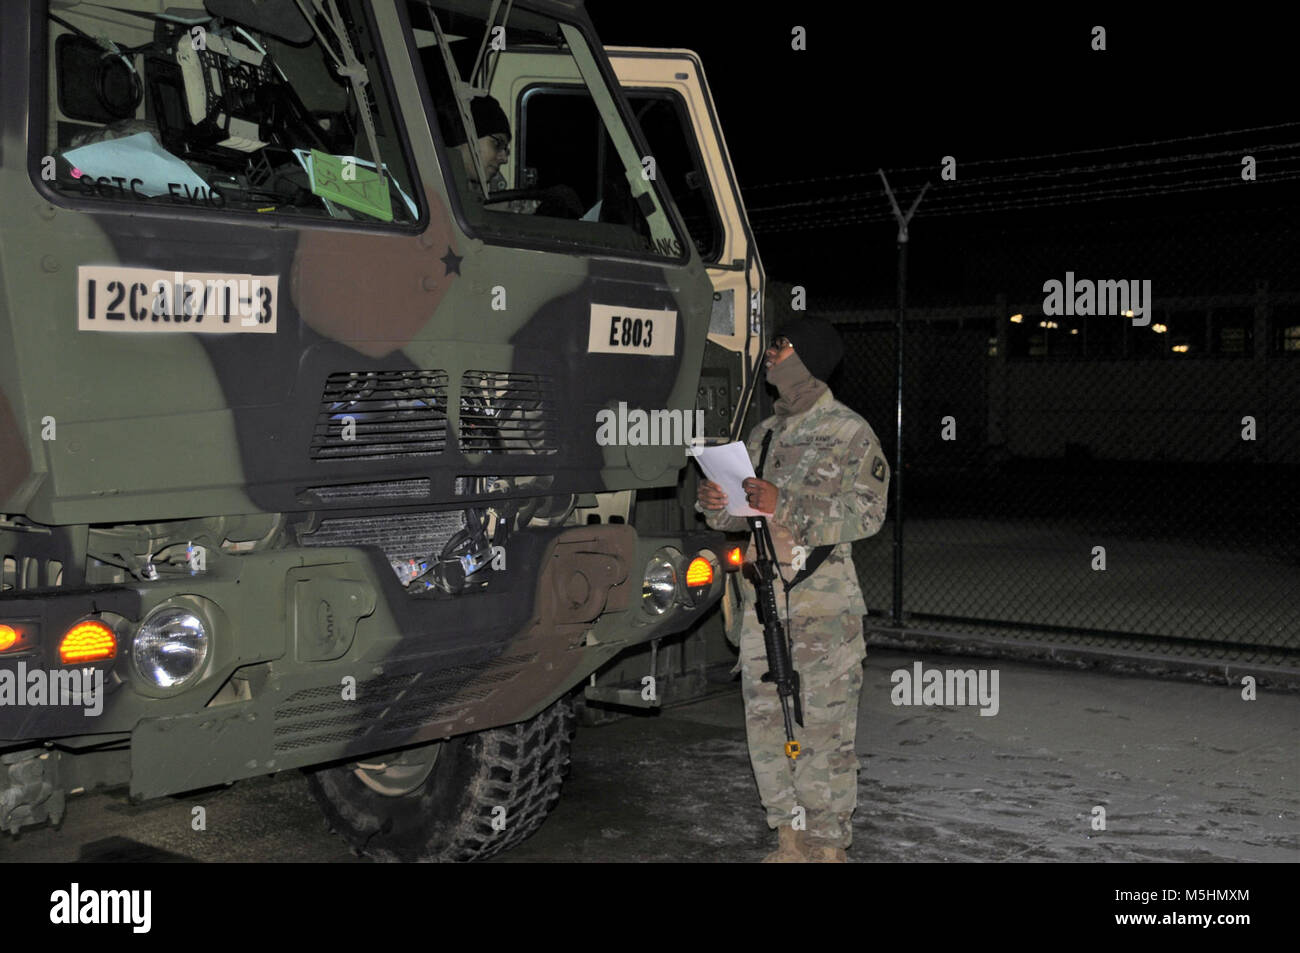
[(996, 381), (897, 476)]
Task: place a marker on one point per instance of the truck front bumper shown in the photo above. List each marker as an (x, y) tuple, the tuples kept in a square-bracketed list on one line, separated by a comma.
[(317, 655)]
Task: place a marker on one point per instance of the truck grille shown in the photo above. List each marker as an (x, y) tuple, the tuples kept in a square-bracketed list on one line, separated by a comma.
[(369, 493), (504, 412), (402, 536), (29, 572), (381, 415)]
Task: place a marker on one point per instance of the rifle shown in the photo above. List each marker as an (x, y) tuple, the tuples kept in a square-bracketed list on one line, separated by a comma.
[(780, 667)]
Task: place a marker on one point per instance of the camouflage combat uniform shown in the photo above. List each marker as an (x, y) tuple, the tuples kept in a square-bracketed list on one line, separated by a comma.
[(833, 480)]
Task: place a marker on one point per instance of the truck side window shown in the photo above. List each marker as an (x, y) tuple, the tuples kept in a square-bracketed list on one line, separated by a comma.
[(569, 175), (667, 128), (247, 111)]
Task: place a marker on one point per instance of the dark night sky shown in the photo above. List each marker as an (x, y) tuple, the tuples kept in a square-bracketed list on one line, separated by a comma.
[(902, 89)]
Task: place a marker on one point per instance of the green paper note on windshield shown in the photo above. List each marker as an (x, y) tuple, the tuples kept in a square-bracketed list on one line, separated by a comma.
[(347, 182)]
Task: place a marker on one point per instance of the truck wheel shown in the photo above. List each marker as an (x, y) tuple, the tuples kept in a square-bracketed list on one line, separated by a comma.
[(462, 799)]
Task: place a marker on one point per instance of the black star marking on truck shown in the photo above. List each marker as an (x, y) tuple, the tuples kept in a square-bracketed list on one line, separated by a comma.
[(452, 262)]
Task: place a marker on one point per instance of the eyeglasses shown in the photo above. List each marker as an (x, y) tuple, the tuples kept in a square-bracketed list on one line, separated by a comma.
[(501, 142)]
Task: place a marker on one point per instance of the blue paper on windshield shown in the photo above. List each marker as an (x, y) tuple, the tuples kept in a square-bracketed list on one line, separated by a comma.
[(145, 167)]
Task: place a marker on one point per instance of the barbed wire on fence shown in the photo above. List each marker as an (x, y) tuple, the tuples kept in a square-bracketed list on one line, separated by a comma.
[(799, 222), (1196, 137), (962, 193)]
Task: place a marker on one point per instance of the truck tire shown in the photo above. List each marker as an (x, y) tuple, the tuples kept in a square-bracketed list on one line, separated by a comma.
[(463, 799)]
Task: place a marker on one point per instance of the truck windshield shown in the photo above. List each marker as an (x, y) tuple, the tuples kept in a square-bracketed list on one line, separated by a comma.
[(268, 107), (582, 181)]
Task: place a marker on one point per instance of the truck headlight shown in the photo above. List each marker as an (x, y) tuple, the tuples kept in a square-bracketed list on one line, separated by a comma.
[(659, 587), (170, 647)]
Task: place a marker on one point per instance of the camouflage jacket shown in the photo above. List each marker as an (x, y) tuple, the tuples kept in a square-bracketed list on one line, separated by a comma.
[(833, 484)]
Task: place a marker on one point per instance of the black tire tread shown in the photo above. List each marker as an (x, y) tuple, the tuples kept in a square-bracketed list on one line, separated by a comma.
[(520, 767)]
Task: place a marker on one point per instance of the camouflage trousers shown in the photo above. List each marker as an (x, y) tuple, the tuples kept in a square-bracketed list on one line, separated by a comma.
[(823, 780)]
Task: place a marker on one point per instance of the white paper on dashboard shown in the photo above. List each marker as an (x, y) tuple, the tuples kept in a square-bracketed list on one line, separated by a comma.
[(727, 466), (136, 158)]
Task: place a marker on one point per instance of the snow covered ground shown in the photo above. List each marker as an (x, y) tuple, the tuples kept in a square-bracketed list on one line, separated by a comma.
[(1184, 771)]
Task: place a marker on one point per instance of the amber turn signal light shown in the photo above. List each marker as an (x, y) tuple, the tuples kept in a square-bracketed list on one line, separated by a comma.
[(89, 641), (699, 573), (735, 559), (8, 637)]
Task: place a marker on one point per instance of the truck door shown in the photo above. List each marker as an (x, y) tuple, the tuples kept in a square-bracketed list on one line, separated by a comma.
[(671, 102), (687, 153)]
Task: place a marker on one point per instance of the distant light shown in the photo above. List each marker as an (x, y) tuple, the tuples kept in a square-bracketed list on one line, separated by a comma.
[(1181, 348), (1017, 318), (1159, 328), (1128, 314), (1048, 324), (1074, 330)]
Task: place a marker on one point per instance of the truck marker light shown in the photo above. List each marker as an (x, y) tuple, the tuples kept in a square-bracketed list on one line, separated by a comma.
[(699, 573), (88, 641), (8, 637), (735, 559)]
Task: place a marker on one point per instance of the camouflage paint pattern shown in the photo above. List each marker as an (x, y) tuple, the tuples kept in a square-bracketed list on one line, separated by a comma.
[(205, 438)]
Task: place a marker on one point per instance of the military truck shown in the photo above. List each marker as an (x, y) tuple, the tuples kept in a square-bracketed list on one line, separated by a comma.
[(305, 456)]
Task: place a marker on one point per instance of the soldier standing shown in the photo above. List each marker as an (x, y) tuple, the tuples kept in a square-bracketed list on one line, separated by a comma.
[(822, 475)]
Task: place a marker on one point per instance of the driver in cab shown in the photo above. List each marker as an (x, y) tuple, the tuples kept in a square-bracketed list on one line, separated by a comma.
[(493, 127)]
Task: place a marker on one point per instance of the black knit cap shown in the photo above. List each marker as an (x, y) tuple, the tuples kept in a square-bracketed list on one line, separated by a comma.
[(489, 119), (816, 342)]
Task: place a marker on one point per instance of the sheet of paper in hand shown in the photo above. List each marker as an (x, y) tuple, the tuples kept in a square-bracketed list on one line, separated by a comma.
[(727, 466)]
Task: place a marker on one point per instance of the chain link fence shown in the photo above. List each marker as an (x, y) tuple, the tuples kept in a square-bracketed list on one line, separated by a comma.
[(1092, 481)]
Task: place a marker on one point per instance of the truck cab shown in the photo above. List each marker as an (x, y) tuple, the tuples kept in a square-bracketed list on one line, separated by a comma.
[(303, 456)]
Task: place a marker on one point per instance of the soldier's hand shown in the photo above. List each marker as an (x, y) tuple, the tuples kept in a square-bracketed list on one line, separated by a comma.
[(760, 494), (711, 496)]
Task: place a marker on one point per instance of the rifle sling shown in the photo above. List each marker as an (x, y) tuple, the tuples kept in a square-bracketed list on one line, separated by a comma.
[(762, 454)]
